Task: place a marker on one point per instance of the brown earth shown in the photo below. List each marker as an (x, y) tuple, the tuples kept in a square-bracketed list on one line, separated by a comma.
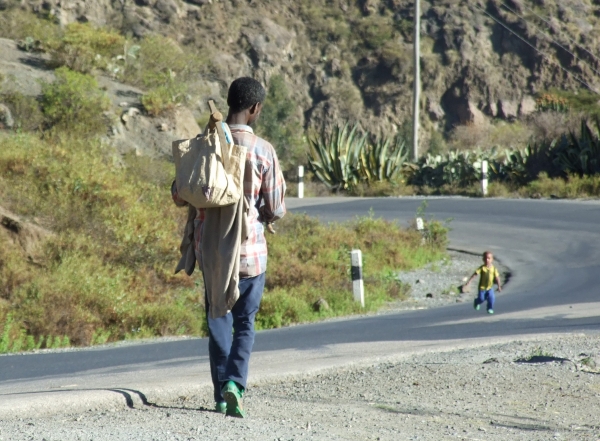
[(25, 235)]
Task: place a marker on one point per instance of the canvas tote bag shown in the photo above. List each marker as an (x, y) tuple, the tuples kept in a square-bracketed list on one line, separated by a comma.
[(209, 169)]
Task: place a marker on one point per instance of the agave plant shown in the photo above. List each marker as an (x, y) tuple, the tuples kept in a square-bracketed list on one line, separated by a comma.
[(383, 159), (514, 166), (334, 157), (579, 154)]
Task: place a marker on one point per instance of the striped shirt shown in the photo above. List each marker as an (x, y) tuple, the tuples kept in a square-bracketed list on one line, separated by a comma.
[(264, 187)]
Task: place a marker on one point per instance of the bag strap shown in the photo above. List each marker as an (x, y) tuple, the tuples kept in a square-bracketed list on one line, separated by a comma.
[(216, 121)]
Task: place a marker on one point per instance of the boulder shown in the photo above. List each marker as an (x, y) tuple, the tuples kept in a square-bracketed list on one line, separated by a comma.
[(508, 109), (434, 109), (6, 119), (528, 106), (492, 109), (320, 305), (149, 136), (168, 10), (469, 113), (271, 44)]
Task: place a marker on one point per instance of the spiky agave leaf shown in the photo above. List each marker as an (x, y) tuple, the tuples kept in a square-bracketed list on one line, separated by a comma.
[(334, 156)]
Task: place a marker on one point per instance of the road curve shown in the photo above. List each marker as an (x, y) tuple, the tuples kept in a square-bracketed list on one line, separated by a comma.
[(552, 248)]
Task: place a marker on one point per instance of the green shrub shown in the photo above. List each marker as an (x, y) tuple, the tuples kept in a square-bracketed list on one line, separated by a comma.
[(74, 102), (25, 110), (164, 69), (437, 144), (548, 101), (572, 186), (325, 22), (435, 232), (162, 99), (393, 187), (83, 48), (455, 168), (107, 272), (161, 59), (374, 30), (21, 25), (581, 101)]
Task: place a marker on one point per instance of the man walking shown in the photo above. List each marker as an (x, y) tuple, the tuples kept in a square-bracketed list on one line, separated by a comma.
[(231, 336)]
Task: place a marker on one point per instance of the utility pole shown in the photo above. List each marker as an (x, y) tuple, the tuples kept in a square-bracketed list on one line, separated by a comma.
[(417, 81)]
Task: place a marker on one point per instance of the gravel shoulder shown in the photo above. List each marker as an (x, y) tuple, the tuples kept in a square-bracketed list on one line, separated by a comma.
[(535, 388), (438, 284)]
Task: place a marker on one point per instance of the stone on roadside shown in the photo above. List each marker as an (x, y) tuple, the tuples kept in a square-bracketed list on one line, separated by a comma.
[(6, 119), (321, 305)]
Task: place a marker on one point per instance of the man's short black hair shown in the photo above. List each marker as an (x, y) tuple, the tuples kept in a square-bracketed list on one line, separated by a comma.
[(244, 93)]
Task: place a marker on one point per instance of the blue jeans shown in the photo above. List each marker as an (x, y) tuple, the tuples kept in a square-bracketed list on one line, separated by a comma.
[(486, 295), (231, 337)]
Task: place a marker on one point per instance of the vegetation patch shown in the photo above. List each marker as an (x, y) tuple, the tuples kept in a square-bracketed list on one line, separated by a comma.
[(310, 261), (74, 103), (106, 274), (83, 48)]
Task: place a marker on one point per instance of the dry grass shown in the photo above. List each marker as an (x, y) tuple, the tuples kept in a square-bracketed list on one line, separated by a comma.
[(107, 272), (311, 261)]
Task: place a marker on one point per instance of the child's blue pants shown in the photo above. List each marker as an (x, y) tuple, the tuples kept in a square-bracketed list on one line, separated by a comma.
[(486, 295)]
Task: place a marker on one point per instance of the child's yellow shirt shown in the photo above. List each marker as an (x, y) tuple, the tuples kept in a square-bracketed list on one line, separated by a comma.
[(487, 276)]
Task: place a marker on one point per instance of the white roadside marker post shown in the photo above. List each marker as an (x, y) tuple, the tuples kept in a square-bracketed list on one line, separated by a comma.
[(300, 181), (420, 225), (484, 178), (421, 228), (358, 288)]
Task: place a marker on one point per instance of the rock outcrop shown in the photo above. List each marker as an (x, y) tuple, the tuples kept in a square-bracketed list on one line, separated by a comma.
[(133, 131), (479, 60)]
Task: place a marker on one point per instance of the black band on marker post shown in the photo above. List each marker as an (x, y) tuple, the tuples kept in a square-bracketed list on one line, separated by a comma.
[(356, 272)]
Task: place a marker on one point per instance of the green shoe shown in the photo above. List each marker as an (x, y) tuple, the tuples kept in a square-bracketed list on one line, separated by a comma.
[(233, 395), (221, 407), (475, 305), (490, 311)]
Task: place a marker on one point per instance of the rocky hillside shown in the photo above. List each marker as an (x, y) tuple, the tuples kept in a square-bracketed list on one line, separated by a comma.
[(341, 59)]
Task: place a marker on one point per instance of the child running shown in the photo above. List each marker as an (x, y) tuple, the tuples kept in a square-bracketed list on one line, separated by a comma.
[(488, 275)]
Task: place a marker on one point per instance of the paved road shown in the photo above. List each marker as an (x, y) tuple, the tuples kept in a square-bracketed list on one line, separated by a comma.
[(552, 248)]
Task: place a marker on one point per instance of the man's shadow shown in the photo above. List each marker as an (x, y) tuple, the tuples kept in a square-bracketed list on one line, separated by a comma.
[(126, 393)]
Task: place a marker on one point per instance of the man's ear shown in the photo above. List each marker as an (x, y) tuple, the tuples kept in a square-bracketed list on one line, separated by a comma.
[(256, 108)]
